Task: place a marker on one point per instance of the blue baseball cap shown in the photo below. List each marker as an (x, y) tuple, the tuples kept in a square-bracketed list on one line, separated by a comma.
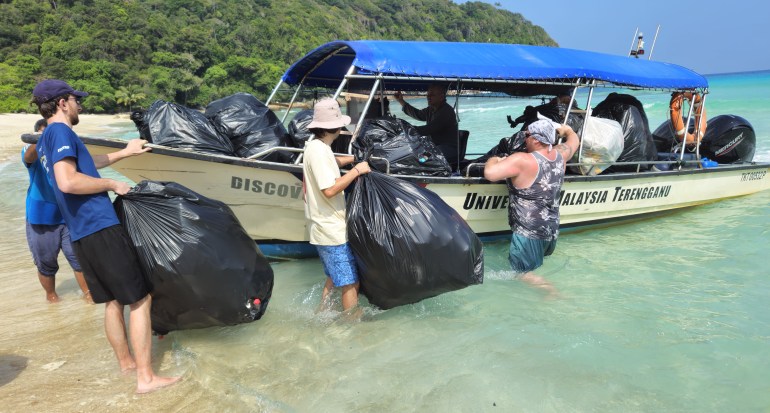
[(52, 88)]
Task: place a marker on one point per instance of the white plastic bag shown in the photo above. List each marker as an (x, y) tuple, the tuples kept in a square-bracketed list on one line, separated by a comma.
[(602, 145)]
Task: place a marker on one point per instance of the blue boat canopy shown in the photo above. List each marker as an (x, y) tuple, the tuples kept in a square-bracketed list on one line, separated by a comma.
[(409, 65)]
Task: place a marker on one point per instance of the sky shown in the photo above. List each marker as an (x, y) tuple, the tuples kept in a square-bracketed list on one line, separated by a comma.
[(707, 36)]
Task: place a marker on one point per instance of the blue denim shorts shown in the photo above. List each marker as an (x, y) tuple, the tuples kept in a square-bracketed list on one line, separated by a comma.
[(45, 242), (526, 254), (339, 263)]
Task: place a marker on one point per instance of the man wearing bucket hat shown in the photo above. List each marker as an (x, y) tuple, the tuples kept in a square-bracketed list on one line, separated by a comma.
[(104, 250), (325, 201), (534, 181)]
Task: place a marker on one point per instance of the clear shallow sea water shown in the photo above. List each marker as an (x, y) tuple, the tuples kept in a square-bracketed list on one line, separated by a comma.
[(667, 315)]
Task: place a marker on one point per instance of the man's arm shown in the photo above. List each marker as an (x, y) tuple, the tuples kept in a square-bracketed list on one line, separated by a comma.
[(570, 145), (133, 148), (343, 160), (413, 112), (342, 182), (70, 181), (30, 155), (498, 169)]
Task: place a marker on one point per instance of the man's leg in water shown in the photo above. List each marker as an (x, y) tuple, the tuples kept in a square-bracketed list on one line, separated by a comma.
[(115, 328), (537, 281), (141, 341), (49, 285)]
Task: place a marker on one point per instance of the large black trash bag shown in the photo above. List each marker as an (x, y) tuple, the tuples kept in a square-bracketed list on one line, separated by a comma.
[(408, 152), (638, 145), (251, 126), (180, 127), (205, 269), (299, 134), (298, 131), (408, 243), (138, 116)]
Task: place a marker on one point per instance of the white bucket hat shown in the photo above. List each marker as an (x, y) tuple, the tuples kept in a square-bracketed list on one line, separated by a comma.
[(327, 115)]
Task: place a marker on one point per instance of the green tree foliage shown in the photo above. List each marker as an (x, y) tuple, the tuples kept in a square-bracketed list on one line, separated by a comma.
[(128, 53)]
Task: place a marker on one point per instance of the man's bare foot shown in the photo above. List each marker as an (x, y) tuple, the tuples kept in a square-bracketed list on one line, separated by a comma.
[(52, 298), (157, 383)]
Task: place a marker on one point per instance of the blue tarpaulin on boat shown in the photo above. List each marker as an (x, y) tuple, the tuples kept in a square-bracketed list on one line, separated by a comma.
[(327, 65)]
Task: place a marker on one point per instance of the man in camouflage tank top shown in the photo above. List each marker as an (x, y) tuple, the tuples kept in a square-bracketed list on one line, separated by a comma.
[(534, 181)]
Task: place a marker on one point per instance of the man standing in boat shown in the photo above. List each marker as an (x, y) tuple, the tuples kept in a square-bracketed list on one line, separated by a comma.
[(534, 181), (440, 119), (325, 201), (104, 250)]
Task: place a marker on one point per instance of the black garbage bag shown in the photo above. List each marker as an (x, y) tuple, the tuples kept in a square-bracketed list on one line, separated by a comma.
[(408, 243), (205, 269), (408, 152), (550, 110), (138, 117), (180, 127), (554, 110), (298, 131), (299, 134), (638, 144), (250, 125)]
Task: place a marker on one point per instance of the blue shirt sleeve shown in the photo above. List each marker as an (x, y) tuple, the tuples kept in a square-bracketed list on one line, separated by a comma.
[(63, 145)]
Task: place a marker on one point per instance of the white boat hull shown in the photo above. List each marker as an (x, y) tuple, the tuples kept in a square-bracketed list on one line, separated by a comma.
[(268, 198)]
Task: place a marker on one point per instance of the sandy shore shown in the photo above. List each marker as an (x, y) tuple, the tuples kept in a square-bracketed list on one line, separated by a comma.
[(12, 126)]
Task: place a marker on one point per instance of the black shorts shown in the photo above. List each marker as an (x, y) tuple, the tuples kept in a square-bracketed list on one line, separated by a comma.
[(111, 267)]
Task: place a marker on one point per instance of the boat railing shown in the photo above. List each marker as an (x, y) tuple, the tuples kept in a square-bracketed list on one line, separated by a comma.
[(275, 149), (676, 163), (301, 150)]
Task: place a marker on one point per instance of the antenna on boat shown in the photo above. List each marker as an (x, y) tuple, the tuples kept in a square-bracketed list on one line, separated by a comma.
[(649, 57), (633, 39)]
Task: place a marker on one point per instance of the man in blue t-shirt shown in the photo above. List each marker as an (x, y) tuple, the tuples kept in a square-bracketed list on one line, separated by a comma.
[(46, 232), (105, 252)]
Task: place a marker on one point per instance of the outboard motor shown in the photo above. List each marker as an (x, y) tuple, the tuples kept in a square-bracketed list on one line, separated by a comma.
[(729, 139)]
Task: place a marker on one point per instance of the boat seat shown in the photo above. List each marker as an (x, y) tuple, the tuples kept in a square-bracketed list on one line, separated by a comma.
[(462, 136)]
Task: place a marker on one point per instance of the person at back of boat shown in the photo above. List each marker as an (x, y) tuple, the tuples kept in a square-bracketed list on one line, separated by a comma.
[(440, 120), (325, 202), (46, 232), (534, 181)]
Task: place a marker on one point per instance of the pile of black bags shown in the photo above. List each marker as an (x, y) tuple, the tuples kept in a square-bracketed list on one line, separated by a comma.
[(408, 243), (638, 144), (396, 140), (237, 125), (249, 124), (204, 268), (176, 126)]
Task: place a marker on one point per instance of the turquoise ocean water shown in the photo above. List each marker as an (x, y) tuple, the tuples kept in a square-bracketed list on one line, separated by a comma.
[(661, 315)]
